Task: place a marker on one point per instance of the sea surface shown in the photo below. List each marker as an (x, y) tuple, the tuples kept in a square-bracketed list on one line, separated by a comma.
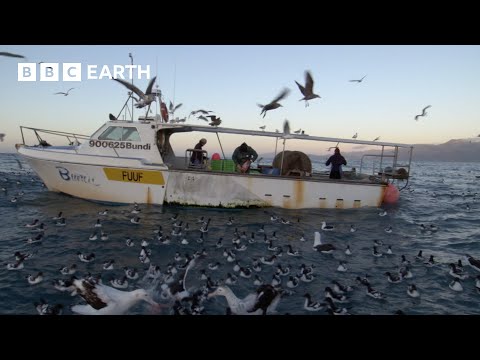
[(440, 193)]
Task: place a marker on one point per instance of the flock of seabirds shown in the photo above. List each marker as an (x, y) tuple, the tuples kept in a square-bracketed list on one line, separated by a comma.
[(146, 98), (189, 280)]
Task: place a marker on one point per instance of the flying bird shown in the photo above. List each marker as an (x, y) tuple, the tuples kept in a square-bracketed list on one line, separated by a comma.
[(307, 91), (274, 103), (215, 121), (1, 137), (424, 112), (298, 131), (355, 136), (263, 127), (377, 138), (9, 54), (201, 117), (145, 98), (203, 112), (358, 81), (173, 108), (63, 93)]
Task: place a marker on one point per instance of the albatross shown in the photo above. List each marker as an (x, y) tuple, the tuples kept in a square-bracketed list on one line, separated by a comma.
[(105, 300), (263, 301)]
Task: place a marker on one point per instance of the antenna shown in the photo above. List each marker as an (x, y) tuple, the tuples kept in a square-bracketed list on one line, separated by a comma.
[(131, 63), (174, 81)]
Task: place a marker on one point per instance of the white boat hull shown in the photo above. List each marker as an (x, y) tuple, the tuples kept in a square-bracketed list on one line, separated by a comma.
[(234, 190), (92, 182), (129, 181)]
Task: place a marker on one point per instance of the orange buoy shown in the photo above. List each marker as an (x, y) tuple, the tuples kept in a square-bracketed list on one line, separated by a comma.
[(391, 194)]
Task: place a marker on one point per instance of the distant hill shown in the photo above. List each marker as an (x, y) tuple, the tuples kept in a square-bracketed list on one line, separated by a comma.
[(461, 150)]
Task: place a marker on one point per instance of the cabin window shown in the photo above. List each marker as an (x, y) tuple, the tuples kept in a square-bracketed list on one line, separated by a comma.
[(120, 133)]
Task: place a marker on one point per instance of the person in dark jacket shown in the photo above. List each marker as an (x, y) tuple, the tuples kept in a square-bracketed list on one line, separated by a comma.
[(243, 156), (337, 160), (197, 156)]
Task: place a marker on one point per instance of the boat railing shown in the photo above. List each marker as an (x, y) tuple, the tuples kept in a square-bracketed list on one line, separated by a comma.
[(72, 138), (188, 156), (395, 171)]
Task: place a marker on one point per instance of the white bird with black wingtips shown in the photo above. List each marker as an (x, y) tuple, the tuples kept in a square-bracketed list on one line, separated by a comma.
[(105, 300)]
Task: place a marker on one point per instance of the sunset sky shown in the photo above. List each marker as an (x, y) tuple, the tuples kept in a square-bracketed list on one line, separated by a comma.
[(400, 81)]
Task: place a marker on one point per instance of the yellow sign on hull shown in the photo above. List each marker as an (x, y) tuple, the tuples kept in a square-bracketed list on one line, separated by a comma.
[(135, 176)]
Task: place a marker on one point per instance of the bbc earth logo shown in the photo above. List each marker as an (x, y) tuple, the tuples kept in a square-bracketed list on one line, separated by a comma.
[(73, 72)]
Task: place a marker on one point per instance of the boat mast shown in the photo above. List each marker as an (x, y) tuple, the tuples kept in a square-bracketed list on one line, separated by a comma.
[(131, 63)]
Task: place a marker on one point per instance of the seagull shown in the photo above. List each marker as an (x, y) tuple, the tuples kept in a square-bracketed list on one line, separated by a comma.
[(358, 81), (286, 127), (9, 54), (215, 121), (146, 98), (63, 93), (105, 300), (424, 112), (263, 127), (274, 103), (307, 91), (201, 117), (204, 112), (377, 138), (173, 108), (1, 137), (355, 136)]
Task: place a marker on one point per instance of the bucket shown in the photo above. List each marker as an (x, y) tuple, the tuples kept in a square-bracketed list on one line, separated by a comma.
[(270, 171)]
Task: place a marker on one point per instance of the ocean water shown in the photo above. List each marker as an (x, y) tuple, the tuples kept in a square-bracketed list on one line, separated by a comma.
[(440, 193)]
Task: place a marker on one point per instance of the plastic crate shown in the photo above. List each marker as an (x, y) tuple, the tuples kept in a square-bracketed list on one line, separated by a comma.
[(228, 166), (216, 165)]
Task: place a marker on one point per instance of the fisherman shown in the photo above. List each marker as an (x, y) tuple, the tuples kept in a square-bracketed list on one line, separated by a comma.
[(243, 157)]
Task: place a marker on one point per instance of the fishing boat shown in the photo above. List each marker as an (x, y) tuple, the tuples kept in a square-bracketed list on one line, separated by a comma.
[(128, 162)]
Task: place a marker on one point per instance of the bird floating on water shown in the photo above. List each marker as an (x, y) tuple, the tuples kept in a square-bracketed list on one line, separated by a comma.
[(307, 91)]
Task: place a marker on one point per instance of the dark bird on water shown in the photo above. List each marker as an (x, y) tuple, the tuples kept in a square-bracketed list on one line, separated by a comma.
[(9, 54), (146, 98), (307, 91), (274, 103), (358, 81), (424, 112), (63, 93)]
